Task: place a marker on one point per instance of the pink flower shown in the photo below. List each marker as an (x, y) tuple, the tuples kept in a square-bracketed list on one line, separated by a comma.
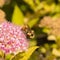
[(12, 38)]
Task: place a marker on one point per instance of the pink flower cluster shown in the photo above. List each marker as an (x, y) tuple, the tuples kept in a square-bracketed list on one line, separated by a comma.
[(12, 38)]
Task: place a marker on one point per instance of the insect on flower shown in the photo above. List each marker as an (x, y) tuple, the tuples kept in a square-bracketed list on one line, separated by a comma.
[(27, 30)]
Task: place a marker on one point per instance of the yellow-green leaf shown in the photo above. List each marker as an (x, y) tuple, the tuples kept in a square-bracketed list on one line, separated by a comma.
[(17, 17), (8, 56), (32, 22), (29, 53), (18, 56), (46, 30), (1, 53)]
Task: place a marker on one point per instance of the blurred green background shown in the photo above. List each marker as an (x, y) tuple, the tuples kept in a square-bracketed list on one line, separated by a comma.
[(32, 12)]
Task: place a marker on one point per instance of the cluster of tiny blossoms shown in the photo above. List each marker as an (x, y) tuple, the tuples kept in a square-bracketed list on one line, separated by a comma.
[(2, 2), (2, 13), (2, 16), (52, 24), (12, 38)]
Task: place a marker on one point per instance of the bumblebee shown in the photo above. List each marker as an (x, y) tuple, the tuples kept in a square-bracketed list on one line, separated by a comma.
[(27, 30)]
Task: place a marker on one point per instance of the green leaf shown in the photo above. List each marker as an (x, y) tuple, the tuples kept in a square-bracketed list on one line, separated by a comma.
[(33, 43), (18, 56), (17, 17), (32, 22), (29, 53), (35, 56), (8, 56), (24, 55), (46, 30), (1, 53)]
